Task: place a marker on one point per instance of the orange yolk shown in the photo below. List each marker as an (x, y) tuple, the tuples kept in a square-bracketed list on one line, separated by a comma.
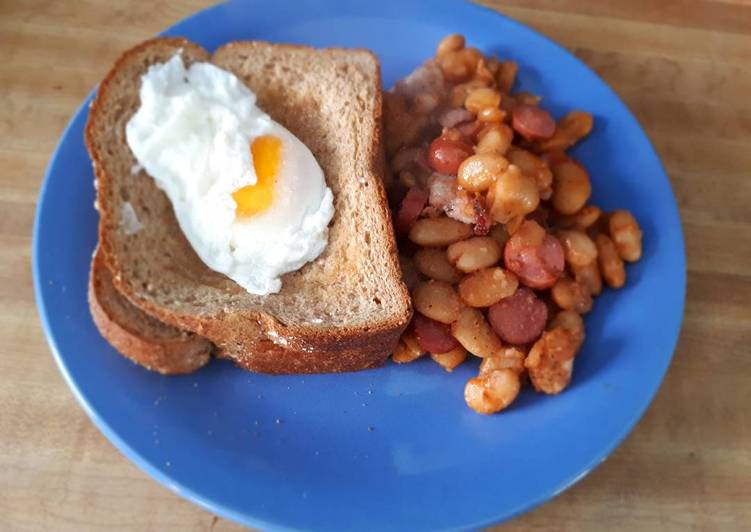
[(266, 151)]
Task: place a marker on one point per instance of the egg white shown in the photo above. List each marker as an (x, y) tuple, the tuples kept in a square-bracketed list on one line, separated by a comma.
[(192, 134)]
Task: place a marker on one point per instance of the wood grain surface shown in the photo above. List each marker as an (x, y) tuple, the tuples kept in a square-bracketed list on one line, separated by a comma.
[(682, 67)]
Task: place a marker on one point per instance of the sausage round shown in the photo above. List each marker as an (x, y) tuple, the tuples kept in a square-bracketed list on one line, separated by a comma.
[(537, 266), (433, 336), (531, 122), (519, 318), (445, 155), (410, 209)]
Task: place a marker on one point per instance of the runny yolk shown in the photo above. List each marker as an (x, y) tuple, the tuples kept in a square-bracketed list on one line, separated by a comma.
[(250, 200)]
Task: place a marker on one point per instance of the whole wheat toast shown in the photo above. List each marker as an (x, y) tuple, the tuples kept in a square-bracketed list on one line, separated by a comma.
[(141, 338), (342, 312)]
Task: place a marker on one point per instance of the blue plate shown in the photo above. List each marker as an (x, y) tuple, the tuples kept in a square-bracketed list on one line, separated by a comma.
[(394, 447)]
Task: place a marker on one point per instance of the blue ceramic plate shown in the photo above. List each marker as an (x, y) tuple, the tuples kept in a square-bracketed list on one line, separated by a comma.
[(394, 447)]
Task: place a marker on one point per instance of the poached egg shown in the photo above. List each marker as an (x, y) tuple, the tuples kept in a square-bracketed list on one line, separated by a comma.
[(249, 196)]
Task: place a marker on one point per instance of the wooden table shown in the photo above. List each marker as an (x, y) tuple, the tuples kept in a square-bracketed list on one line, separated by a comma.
[(682, 67)]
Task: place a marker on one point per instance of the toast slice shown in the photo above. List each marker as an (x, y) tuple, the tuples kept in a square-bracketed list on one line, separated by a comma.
[(342, 312), (141, 338)]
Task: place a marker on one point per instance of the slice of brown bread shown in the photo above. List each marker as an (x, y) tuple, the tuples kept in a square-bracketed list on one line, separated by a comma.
[(342, 312), (143, 339)]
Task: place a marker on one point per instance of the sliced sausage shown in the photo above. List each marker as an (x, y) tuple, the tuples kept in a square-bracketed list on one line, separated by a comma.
[(410, 209), (537, 266), (531, 122), (470, 129), (433, 336), (519, 318), (445, 155)]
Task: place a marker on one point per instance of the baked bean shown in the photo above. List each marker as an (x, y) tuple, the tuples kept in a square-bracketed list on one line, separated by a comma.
[(486, 287), (472, 55), (410, 339), (433, 263), (506, 76), (626, 234), (550, 362), (459, 65), (610, 261), (474, 253), (587, 217), (475, 334), (494, 138), (584, 220), (507, 358), (446, 154), (546, 193), (513, 225), (493, 65), (491, 115), (459, 92), (407, 349), (491, 392), (450, 359), (438, 232), (570, 130), (560, 344), (532, 166), (578, 248), (534, 256), (571, 187), (531, 234), (555, 157), (552, 377), (477, 172), (512, 194), (437, 300), (570, 295), (499, 234), (454, 67), (588, 276), (450, 43), (572, 322), (453, 134), (527, 98), (483, 73), (481, 98)]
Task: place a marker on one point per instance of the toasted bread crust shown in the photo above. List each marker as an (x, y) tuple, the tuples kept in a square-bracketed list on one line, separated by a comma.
[(162, 348), (256, 339)]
